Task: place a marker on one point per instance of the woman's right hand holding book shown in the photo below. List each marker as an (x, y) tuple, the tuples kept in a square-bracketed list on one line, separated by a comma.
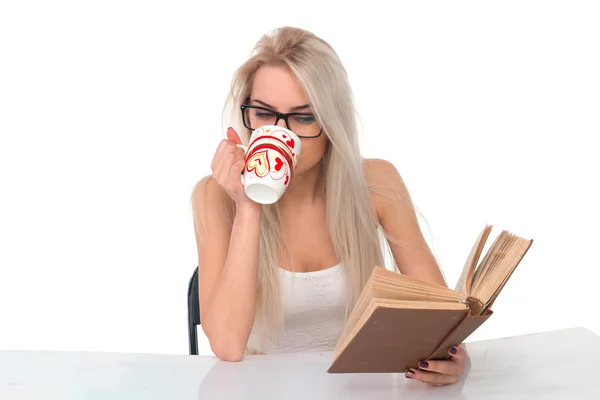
[(440, 372)]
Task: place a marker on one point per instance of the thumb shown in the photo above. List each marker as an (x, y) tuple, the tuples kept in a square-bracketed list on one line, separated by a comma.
[(233, 136)]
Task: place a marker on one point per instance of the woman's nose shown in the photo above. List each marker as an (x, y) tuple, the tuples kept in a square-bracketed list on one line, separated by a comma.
[(281, 123)]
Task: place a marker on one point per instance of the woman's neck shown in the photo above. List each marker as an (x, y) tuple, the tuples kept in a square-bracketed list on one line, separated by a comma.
[(304, 189)]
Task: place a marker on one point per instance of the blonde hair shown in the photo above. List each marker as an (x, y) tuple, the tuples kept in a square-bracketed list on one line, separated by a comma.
[(352, 224)]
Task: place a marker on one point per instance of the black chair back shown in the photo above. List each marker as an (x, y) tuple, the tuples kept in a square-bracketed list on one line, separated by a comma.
[(193, 312)]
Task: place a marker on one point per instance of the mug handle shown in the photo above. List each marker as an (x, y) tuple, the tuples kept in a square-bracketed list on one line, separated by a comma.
[(245, 148)]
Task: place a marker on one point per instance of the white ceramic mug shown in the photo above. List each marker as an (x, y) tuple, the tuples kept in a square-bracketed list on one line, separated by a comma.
[(272, 156)]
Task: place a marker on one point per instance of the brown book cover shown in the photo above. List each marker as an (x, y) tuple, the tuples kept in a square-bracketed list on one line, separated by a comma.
[(393, 340), (461, 332), (399, 321)]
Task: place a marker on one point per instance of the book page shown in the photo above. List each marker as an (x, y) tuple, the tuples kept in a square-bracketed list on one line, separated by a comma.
[(500, 262), (404, 283), (464, 282), (512, 259), (362, 303)]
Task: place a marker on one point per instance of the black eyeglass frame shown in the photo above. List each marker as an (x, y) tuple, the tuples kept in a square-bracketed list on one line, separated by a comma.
[(278, 116)]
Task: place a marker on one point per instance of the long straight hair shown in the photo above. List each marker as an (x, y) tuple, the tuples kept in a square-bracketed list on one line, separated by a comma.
[(354, 229)]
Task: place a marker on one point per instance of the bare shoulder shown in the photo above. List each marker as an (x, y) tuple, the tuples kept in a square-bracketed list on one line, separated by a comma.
[(380, 168), (386, 186), (396, 213)]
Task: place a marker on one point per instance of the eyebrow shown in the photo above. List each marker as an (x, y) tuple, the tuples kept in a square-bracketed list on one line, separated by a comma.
[(297, 108)]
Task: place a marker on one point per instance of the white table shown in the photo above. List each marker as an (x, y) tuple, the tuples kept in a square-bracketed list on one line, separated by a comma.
[(563, 364)]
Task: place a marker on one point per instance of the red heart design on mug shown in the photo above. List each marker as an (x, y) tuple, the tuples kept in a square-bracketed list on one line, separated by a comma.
[(287, 178), (290, 143), (278, 163)]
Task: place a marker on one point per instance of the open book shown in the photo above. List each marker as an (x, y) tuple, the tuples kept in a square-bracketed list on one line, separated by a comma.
[(399, 320)]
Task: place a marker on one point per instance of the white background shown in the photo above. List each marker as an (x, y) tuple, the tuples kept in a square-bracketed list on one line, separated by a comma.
[(110, 112)]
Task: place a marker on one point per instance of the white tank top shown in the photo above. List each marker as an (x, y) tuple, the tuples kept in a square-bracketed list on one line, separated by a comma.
[(314, 307)]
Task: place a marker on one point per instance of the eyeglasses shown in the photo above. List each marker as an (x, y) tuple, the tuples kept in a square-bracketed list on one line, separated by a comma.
[(304, 125)]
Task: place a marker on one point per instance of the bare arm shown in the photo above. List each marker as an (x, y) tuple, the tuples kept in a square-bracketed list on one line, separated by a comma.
[(396, 214), (227, 268)]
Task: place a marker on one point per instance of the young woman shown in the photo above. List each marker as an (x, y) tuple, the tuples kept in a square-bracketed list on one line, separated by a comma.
[(284, 277)]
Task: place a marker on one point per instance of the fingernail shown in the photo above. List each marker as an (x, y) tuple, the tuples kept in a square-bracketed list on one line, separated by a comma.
[(423, 364), (410, 373), (453, 350)]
